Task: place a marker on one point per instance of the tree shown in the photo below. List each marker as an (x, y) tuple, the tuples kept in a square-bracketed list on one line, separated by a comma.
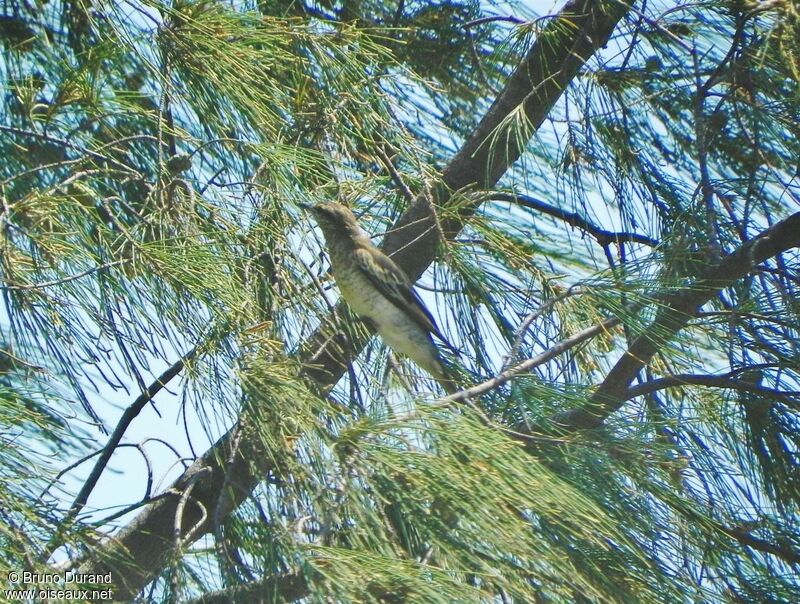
[(601, 203)]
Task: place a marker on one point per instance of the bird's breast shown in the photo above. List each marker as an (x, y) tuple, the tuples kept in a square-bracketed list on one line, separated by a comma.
[(397, 329), (360, 294)]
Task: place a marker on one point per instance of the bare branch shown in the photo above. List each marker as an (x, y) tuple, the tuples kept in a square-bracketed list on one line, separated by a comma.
[(784, 552), (519, 335), (527, 365), (675, 313), (284, 588), (713, 381), (113, 442), (482, 20), (602, 236)]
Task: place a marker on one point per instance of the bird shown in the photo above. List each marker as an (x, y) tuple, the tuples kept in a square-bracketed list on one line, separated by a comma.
[(378, 290)]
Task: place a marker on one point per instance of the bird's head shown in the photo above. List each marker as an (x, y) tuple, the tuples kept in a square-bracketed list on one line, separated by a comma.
[(333, 217)]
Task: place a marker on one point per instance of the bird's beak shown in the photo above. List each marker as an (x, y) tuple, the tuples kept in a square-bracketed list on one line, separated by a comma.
[(305, 206)]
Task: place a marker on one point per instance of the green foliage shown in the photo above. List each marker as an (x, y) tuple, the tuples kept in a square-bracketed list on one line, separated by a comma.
[(154, 156)]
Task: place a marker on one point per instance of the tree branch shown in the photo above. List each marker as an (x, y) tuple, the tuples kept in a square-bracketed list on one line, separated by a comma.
[(283, 588), (745, 537), (602, 236), (675, 313), (565, 44), (784, 552), (712, 381), (133, 410), (528, 364)]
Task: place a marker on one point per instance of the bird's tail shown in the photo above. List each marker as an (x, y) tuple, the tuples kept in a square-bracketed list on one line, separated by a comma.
[(446, 375)]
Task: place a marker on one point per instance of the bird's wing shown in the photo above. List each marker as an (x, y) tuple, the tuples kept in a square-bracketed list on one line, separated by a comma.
[(393, 283)]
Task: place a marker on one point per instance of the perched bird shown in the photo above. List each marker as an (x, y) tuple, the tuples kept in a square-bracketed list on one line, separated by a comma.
[(378, 290)]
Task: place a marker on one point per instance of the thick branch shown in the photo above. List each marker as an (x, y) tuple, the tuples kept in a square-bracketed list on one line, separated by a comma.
[(140, 551), (222, 477), (284, 588), (675, 313), (582, 27)]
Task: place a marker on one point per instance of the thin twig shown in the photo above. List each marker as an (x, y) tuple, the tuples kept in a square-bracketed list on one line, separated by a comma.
[(65, 279), (602, 236), (519, 336), (482, 20), (219, 513), (395, 175), (178, 520), (527, 365)]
